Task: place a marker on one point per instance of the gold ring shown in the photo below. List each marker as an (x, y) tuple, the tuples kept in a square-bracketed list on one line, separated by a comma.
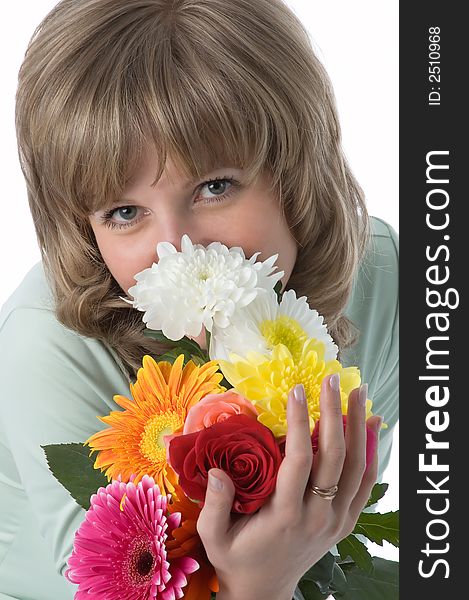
[(326, 493)]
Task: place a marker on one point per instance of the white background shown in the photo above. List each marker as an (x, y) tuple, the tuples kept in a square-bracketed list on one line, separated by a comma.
[(356, 40)]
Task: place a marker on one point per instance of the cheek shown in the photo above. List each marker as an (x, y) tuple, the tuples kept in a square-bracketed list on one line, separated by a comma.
[(124, 257), (264, 231)]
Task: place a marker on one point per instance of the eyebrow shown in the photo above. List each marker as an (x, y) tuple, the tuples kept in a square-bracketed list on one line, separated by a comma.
[(192, 182), (185, 187)]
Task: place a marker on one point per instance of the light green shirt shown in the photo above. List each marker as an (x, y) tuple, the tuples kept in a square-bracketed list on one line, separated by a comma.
[(56, 382)]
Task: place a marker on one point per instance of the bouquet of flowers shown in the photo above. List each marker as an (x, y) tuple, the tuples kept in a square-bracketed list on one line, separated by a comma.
[(143, 478)]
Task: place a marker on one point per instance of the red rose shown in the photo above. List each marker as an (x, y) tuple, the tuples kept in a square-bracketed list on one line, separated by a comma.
[(240, 446), (371, 440)]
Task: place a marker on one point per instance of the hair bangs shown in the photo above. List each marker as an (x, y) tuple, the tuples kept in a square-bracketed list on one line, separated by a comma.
[(199, 118)]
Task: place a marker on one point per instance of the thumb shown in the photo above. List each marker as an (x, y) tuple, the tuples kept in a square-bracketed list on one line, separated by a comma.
[(214, 518)]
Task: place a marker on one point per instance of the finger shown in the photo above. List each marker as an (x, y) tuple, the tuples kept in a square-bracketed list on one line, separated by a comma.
[(214, 519), (329, 460), (355, 443), (370, 476), (295, 469)]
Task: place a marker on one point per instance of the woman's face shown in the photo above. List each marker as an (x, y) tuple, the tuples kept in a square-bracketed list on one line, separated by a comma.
[(205, 210)]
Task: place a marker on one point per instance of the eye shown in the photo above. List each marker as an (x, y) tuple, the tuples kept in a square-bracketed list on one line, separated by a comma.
[(218, 186), (127, 213)]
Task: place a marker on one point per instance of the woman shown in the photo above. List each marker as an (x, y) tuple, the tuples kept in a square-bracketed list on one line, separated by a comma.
[(130, 116)]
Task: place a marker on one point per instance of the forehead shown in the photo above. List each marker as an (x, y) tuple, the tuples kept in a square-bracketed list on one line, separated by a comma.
[(173, 176)]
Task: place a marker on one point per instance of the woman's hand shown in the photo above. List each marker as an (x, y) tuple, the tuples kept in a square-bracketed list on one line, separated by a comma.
[(262, 556)]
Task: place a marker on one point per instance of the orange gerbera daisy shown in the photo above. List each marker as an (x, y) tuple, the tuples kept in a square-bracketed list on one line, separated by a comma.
[(162, 395), (185, 541)]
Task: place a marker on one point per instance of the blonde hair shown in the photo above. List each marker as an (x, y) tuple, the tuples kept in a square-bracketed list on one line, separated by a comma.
[(206, 82)]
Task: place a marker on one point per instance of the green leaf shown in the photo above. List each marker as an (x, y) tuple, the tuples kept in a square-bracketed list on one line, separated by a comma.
[(192, 347), (174, 353), (379, 526), (198, 360), (322, 579), (378, 491), (72, 466), (311, 591), (167, 356), (321, 573), (339, 581), (381, 584), (353, 547), (225, 383), (278, 290), (185, 343), (158, 336)]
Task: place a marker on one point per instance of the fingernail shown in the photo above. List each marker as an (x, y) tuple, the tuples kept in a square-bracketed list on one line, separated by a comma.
[(363, 394), (379, 422), (299, 393), (215, 484), (334, 382)]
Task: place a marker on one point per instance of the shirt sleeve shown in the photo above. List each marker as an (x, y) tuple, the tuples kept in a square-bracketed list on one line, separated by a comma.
[(374, 309), (55, 384)]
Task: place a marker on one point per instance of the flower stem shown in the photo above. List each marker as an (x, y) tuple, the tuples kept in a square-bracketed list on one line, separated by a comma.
[(207, 343)]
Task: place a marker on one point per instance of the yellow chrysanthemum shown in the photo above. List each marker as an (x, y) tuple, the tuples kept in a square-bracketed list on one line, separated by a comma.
[(287, 331), (162, 396), (266, 381)]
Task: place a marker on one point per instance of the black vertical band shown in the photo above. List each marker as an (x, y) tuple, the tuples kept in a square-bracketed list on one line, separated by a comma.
[(434, 238)]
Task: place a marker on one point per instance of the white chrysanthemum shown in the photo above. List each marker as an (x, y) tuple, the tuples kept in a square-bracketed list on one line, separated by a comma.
[(199, 286), (265, 323)]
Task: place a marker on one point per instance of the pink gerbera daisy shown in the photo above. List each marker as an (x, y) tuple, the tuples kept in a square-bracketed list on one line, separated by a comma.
[(119, 550)]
